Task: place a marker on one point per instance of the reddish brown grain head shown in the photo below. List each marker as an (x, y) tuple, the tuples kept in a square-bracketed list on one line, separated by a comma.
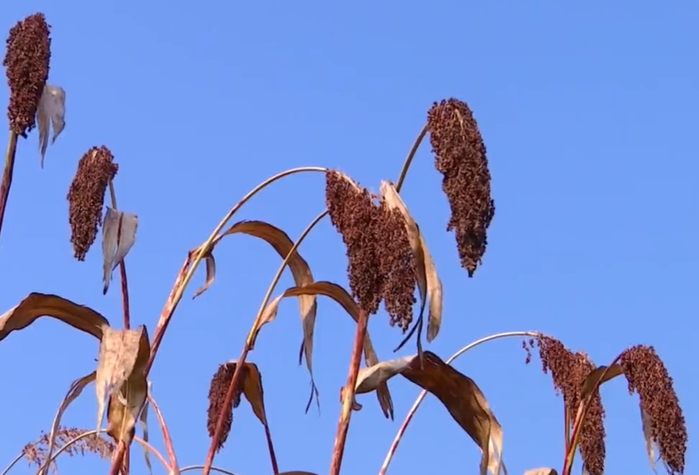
[(381, 262), (647, 375), (86, 197), (217, 397), (27, 68), (569, 371), (460, 156)]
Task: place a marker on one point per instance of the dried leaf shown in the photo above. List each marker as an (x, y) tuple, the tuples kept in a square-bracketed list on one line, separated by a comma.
[(370, 377), (300, 270), (118, 237), (52, 109), (541, 471), (465, 402), (76, 388), (38, 305), (254, 393), (648, 438), (341, 296), (210, 275), (428, 283), (144, 427), (121, 376), (591, 380)]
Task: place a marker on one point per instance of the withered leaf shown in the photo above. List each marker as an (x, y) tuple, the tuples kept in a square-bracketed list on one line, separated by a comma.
[(121, 375), (76, 388), (648, 439), (541, 471), (428, 282), (51, 111), (210, 274), (341, 296), (370, 377), (466, 403), (600, 372), (118, 237), (39, 305), (300, 271)]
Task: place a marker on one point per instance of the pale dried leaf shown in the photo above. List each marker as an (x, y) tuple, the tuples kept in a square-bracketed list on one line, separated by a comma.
[(370, 377), (76, 388), (300, 271), (341, 296), (648, 438), (51, 110), (254, 393), (125, 404), (210, 275), (434, 292), (464, 400), (118, 237), (541, 471), (39, 305)]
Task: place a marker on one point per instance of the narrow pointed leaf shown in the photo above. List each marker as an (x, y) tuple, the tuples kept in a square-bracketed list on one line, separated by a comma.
[(342, 297), (76, 388), (300, 271), (434, 291), (464, 401), (51, 111), (39, 305), (210, 275)]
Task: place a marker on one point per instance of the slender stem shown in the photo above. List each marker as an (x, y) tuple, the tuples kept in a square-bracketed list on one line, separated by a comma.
[(238, 373), (122, 269), (348, 393), (409, 159), (13, 463), (423, 394), (7, 175), (167, 438), (199, 467), (580, 418), (270, 447)]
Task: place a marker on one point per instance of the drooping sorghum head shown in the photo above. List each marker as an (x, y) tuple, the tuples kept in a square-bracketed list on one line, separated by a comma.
[(460, 156)]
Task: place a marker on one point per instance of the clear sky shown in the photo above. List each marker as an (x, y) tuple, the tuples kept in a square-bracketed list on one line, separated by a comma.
[(588, 110)]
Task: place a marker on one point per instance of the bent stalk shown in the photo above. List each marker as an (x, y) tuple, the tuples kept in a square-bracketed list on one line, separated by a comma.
[(423, 394), (7, 175), (409, 159), (237, 373)]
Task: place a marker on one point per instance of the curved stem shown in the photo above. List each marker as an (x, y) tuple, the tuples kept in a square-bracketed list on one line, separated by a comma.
[(409, 159), (7, 175), (200, 467), (122, 269), (13, 463), (167, 438), (238, 374), (423, 394), (580, 418)]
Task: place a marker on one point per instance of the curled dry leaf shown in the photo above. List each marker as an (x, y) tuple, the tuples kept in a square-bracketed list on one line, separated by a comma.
[(428, 282), (121, 375), (541, 471), (341, 296), (600, 372), (39, 305), (459, 394), (118, 237), (76, 388), (51, 111), (300, 271)]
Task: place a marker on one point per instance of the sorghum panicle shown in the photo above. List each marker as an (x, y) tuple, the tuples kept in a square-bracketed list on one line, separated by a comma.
[(460, 156), (217, 397), (381, 262), (398, 266), (647, 375), (569, 371), (86, 197), (27, 68)]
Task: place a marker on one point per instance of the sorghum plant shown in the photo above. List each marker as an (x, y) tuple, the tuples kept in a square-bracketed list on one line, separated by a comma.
[(388, 261)]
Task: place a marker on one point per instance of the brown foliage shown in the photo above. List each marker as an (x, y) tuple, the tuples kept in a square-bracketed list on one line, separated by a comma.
[(382, 265), (461, 159), (647, 375), (86, 197), (27, 69), (37, 452)]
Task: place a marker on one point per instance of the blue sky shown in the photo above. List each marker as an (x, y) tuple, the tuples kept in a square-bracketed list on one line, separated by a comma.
[(588, 110)]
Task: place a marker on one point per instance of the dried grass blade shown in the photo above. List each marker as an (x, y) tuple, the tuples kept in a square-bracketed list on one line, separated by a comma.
[(51, 111), (118, 237), (342, 297), (38, 305), (590, 382), (465, 402), (210, 275), (648, 439), (76, 388), (143, 419)]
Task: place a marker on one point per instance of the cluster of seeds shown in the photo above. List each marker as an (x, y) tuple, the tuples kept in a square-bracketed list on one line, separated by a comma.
[(86, 197), (460, 156), (27, 68), (217, 397), (381, 264), (647, 375)]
